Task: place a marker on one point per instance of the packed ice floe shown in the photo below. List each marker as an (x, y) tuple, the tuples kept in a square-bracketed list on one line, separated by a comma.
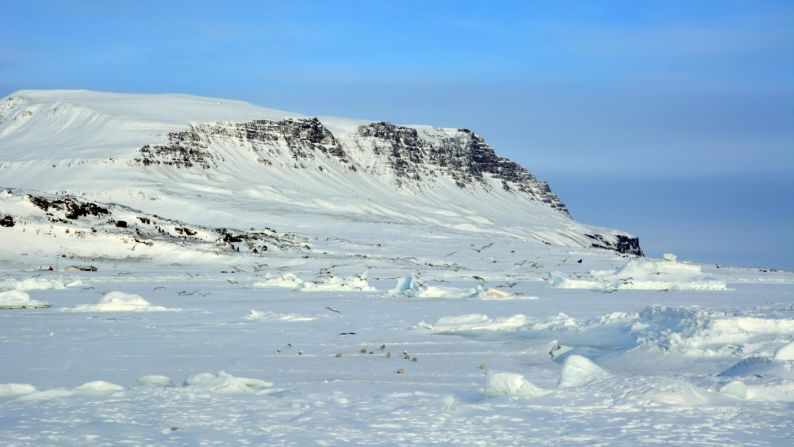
[(685, 331), (38, 283), (256, 315), (221, 383), (17, 299), (511, 384), (356, 283), (120, 302), (578, 370), (29, 393), (411, 287), (474, 322), (642, 274)]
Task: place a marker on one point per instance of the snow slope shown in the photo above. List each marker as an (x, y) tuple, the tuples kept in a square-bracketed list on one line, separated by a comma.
[(217, 163)]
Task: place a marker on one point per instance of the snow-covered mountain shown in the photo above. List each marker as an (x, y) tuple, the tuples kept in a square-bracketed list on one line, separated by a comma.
[(210, 164)]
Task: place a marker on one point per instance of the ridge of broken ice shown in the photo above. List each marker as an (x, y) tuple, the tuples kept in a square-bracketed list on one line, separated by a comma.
[(641, 274)]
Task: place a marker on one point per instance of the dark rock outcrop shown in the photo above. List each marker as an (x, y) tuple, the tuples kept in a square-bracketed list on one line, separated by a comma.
[(303, 138), (462, 155), (72, 208), (622, 244)]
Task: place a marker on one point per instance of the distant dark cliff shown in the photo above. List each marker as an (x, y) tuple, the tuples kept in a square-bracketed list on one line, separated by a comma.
[(413, 158)]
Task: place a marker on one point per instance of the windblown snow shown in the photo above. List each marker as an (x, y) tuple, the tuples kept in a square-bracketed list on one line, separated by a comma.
[(186, 271)]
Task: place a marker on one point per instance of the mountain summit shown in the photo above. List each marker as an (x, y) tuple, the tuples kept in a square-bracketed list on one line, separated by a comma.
[(218, 167)]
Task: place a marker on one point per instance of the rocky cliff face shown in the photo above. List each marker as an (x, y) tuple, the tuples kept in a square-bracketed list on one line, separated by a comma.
[(413, 158), (215, 163)]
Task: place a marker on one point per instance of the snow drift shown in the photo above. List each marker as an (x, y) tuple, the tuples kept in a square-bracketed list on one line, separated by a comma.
[(120, 302)]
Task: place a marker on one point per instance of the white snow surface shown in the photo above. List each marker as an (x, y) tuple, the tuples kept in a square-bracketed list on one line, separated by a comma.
[(709, 364)]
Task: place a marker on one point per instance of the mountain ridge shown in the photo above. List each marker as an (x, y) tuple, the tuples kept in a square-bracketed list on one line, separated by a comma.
[(217, 161)]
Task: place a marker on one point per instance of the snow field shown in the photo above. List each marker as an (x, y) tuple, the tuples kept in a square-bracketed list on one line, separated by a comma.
[(574, 368)]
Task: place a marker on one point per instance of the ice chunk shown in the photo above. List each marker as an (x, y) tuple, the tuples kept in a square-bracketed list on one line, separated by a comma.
[(332, 284), (405, 287), (155, 380), (224, 382), (642, 274), (98, 387), (494, 294), (120, 302), (55, 393), (578, 371), (750, 366), (36, 283), (256, 315), (510, 384), (286, 280), (410, 287), (785, 352), (735, 389), (680, 394), (17, 299), (16, 389), (475, 322), (356, 283)]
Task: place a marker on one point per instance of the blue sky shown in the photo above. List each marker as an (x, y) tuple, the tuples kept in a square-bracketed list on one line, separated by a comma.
[(670, 119)]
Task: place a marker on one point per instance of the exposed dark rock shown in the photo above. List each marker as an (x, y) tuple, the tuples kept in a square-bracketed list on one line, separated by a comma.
[(623, 244), (176, 155), (80, 268), (7, 221), (121, 224), (629, 245), (302, 137), (461, 155), (185, 230), (72, 208)]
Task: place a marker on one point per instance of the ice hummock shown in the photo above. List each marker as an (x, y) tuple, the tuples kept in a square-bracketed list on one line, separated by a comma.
[(223, 382), (642, 274), (355, 283), (511, 384), (17, 299), (578, 370), (120, 302)]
